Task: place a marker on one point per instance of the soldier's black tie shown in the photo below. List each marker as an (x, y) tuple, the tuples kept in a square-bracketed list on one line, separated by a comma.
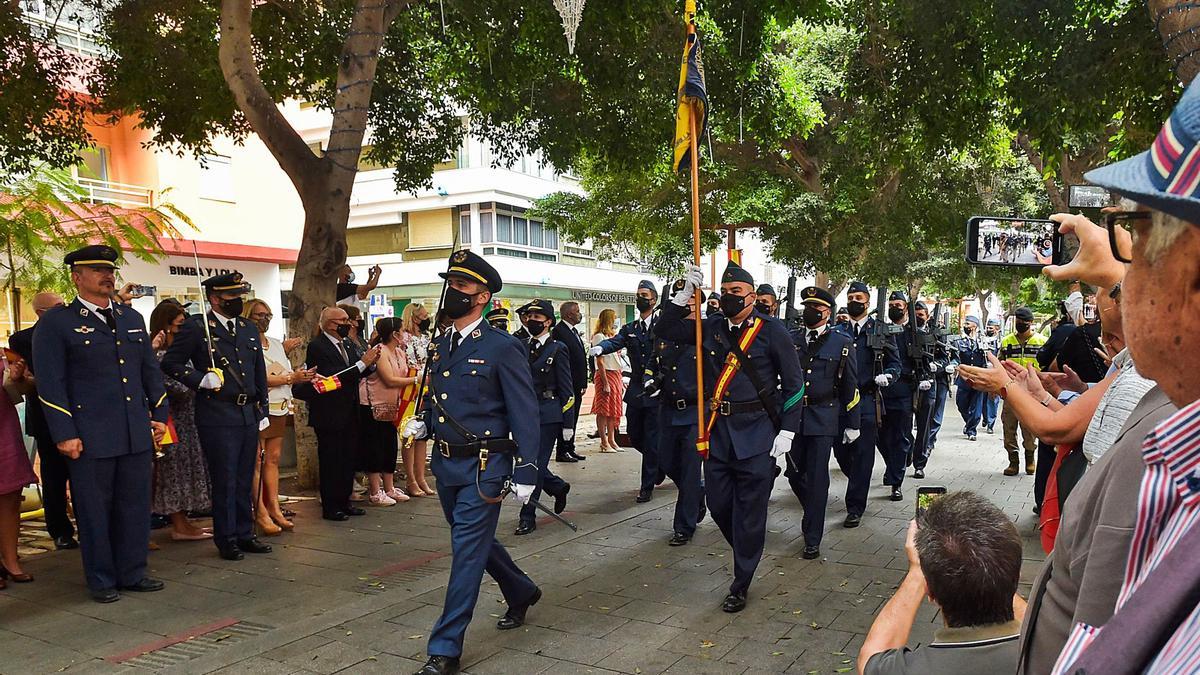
[(455, 338), (812, 336), (107, 313)]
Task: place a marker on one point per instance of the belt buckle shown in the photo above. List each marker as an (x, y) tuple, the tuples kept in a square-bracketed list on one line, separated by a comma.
[(724, 408), (483, 456), (681, 404), (242, 399), (444, 449)]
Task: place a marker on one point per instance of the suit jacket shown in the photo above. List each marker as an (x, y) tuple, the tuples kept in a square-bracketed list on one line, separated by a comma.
[(638, 343), (829, 402), (21, 342), (576, 354), (97, 385), (552, 384), (334, 409), (238, 355), (1082, 577)]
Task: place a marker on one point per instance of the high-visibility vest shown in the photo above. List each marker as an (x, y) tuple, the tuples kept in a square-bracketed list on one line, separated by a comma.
[(1011, 349)]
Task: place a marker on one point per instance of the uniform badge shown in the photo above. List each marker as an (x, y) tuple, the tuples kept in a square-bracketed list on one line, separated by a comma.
[(436, 357), (117, 310), (476, 333), (549, 360), (459, 256), (83, 311), (85, 330), (479, 362)]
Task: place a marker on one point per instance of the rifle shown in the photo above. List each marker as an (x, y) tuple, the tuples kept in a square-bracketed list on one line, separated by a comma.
[(877, 341), (920, 351), (791, 315)]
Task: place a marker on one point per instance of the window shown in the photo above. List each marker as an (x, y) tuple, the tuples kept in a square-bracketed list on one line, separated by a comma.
[(485, 227), (536, 237), (520, 231), (504, 227), (216, 178), (94, 164), (464, 228), (513, 226)]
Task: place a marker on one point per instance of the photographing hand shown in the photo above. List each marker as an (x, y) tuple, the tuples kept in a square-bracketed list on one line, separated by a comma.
[(1094, 263), (910, 547)]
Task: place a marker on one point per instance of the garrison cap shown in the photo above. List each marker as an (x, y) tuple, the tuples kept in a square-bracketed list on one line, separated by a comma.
[(648, 285), (230, 282), (543, 307), (98, 255), (898, 295), (470, 266), (1024, 314), (921, 305), (765, 289), (734, 273), (817, 295), (842, 310), (858, 287), (993, 321), (971, 318)]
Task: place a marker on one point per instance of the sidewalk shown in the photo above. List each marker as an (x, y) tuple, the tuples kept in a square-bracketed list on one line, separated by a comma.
[(362, 596)]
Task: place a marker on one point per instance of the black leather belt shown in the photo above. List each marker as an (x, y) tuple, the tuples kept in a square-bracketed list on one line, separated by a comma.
[(548, 395), (236, 399), (806, 401), (727, 408), (684, 404), (475, 448)]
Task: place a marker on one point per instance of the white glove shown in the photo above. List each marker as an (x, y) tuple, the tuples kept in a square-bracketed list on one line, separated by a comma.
[(691, 281), (568, 435), (950, 368), (925, 385), (596, 351), (783, 443), (883, 380), (850, 435), (264, 423), (210, 381), (522, 493), (414, 429)]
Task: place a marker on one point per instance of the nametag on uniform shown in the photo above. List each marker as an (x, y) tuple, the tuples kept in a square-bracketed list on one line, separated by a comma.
[(477, 361)]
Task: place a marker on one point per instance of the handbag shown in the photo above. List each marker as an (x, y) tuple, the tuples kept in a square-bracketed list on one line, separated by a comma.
[(382, 411)]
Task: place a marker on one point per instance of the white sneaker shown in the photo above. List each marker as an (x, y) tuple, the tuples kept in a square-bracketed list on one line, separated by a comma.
[(398, 495), (380, 499)]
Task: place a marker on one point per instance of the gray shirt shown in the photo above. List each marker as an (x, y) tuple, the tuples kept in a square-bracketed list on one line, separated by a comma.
[(979, 650)]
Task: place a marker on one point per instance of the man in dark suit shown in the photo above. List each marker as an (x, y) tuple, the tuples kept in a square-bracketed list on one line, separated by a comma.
[(332, 398), (218, 355), (105, 404), (565, 332), (53, 464)]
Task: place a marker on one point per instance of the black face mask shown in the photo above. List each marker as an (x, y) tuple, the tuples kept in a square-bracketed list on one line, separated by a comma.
[(500, 325), (231, 307), (644, 304), (856, 309), (811, 316), (535, 327), (896, 314), (732, 305), (991, 332), (1023, 326), (458, 304), (920, 322), (423, 324), (343, 330), (709, 310), (763, 307)]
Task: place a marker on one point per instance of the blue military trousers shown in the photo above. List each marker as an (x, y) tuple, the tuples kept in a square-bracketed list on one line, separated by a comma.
[(679, 460), (808, 474), (112, 507), (642, 423), (231, 451), (896, 438), (546, 480), (970, 404), (857, 460), (738, 491)]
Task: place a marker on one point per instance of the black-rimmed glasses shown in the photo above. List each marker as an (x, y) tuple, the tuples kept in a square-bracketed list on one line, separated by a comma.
[(1122, 246)]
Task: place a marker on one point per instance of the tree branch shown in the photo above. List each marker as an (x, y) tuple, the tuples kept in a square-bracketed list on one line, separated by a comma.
[(1035, 159)]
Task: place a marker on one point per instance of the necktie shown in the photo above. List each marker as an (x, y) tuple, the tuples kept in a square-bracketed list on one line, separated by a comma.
[(107, 313), (455, 338), (342, 350), (856, 330), (812, 336), (229, 326), (736, 331)]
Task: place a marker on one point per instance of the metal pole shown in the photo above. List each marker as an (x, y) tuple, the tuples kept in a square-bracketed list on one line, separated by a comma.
[(696, 258)]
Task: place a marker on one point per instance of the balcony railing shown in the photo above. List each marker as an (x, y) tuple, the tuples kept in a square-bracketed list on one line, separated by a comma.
[(120, 194), (71, 28)]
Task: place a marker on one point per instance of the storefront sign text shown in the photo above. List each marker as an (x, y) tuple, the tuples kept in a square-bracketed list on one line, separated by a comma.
[(611, 297), (184, 271)]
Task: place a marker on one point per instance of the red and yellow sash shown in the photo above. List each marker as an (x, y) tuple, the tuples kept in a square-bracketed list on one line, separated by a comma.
[(724, 380)]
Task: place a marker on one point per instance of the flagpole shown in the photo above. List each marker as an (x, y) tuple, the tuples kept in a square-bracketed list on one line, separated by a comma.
[(700, 427)]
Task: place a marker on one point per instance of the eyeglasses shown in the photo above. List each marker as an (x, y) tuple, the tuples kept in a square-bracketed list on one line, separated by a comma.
[(262, 315), (1122, 245)]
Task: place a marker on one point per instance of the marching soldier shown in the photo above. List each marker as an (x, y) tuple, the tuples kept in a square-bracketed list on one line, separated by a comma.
[(896, 433), (637, 339), (991, 404), (830, 402), (752, 360), (498, 318), (672, 382), (767, 302), (481, 410), (219, 356), (970, 402), (942, 364), (877, 366), (552, 385), (106, 407)]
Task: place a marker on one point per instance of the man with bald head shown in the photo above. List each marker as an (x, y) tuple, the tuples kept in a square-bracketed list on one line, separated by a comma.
[(332, 398), (53, 463)]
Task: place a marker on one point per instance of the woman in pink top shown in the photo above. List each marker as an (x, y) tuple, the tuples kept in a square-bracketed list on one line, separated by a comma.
[(379, 393)]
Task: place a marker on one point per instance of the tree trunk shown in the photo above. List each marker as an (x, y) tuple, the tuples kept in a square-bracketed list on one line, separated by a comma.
[(1177, 23), (1035, 160), (1014, 291), (984, 296)]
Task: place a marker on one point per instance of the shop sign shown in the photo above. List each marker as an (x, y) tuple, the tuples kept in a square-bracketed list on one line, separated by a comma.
[(205, 272), (610, 297)]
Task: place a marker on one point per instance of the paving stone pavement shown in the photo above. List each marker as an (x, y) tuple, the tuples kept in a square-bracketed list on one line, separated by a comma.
[(361, 597)]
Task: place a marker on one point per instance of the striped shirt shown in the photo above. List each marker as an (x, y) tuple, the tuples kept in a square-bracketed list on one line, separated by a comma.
[(1168, 506)]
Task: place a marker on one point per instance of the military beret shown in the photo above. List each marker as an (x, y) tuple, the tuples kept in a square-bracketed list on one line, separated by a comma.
[(98, 255), (898, 295), (714, 296), (858, 287), (734, 273), (971, 318), (1024, 314), (470, 266), (765, 289), (921, 305), (543, 307), (230, 282), (648, 285), (818, 295), (500, 313)]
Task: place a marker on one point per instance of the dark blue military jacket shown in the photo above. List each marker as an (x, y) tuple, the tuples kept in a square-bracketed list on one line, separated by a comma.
[(904, 385), (487, 386), (830, 398), (97, 386), (971, 352), (638, 343), (868, 359), (188, 359), (674, 364), (552, 384), (771, 354)]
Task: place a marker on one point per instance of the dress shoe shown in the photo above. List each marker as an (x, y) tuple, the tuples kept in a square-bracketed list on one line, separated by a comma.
[(525, 527), (703, 511), (644, 496), (811, 552), (183, 536), (734, 602), (852, 520), (146, 585), (64, 543), (356, 511), (565, 459), (897, 495), (104, 595), (678, 539), (253, 545), (578, 457), (22, 578), (560, 499), (439, 665), (515, 616), (971, 437), (336, 515), (230, 551), (918, 473)]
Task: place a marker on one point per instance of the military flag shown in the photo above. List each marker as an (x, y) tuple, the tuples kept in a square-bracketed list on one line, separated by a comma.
[(692, 99)]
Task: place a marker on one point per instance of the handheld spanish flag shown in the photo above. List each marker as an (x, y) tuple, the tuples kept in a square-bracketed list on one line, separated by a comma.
[(692, 99), (325, 385), (170, 436)]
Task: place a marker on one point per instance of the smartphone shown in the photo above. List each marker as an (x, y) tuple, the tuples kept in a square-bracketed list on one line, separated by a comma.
[(1089, 197), (1017, 242), (143, 291), (925, 496)]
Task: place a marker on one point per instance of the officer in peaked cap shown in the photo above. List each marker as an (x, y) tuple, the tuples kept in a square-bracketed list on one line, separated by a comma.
[(942, 363), (766, 302), (713, 306), (105, 406), (841, 316), (829, 403), (551, 368), (482, 413), (498, 318), (218, 355), (636, 338)]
